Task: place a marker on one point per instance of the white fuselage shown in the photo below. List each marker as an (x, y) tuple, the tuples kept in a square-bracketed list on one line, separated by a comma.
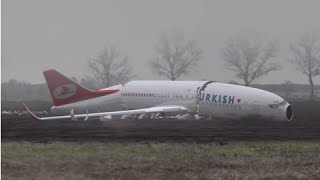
[(215, 99)]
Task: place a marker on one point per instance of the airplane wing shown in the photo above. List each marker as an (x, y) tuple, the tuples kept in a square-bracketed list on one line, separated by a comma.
[(157, 109)]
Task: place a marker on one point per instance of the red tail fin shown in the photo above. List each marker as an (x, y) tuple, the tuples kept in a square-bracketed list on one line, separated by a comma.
[(65, 91)]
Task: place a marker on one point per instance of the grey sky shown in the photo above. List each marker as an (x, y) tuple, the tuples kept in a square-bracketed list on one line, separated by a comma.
[(42, 34)]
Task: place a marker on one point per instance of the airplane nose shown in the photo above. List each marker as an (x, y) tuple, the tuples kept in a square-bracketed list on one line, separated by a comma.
[(289, 112)]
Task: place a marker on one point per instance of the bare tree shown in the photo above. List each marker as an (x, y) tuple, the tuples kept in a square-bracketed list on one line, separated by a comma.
[(288, 88), (306, 56), (176, 57), (109, 68), (250, 59), (89, 82)]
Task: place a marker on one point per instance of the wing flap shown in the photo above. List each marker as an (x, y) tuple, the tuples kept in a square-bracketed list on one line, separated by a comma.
[(157, 109)]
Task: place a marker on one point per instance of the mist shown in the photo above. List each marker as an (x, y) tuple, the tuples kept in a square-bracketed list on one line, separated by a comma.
[(38, 35)]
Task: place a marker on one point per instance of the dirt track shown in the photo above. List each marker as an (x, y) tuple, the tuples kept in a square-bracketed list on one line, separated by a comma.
[(305, 127)]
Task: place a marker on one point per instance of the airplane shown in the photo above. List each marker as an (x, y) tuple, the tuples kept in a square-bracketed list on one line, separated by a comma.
[(159, 99)]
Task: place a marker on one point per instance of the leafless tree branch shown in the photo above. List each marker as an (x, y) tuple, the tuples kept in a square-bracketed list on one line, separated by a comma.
[(175, 59), (250, 59), (109, 68), (306, 56)]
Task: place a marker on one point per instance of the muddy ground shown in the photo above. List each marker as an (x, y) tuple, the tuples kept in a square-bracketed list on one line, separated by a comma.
[(306, 126)]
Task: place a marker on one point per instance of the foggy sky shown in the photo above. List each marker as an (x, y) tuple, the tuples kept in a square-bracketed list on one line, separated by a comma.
[(42, 34)]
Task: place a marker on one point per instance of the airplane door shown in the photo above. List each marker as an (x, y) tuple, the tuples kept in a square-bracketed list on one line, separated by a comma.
[(190, 99)]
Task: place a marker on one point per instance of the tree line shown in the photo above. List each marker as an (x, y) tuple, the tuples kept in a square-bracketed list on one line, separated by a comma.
[(248, 57)]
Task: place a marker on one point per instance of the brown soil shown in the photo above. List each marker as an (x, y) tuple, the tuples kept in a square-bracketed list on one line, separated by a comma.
[(306, 126)]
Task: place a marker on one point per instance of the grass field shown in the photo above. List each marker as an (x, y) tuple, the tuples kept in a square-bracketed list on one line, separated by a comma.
[(236, 160)]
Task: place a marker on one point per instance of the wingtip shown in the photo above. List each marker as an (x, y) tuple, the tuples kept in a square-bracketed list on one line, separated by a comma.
[(33, 116)]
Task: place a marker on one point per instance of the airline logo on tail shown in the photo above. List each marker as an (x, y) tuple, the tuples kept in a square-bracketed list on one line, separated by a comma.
[(64, 91)]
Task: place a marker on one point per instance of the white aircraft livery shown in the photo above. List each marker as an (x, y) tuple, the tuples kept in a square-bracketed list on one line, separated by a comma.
[(159, 99)]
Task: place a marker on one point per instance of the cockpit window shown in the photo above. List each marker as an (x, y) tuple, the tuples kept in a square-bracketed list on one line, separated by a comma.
[(283, 103), (273, 105), (276, 105)]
